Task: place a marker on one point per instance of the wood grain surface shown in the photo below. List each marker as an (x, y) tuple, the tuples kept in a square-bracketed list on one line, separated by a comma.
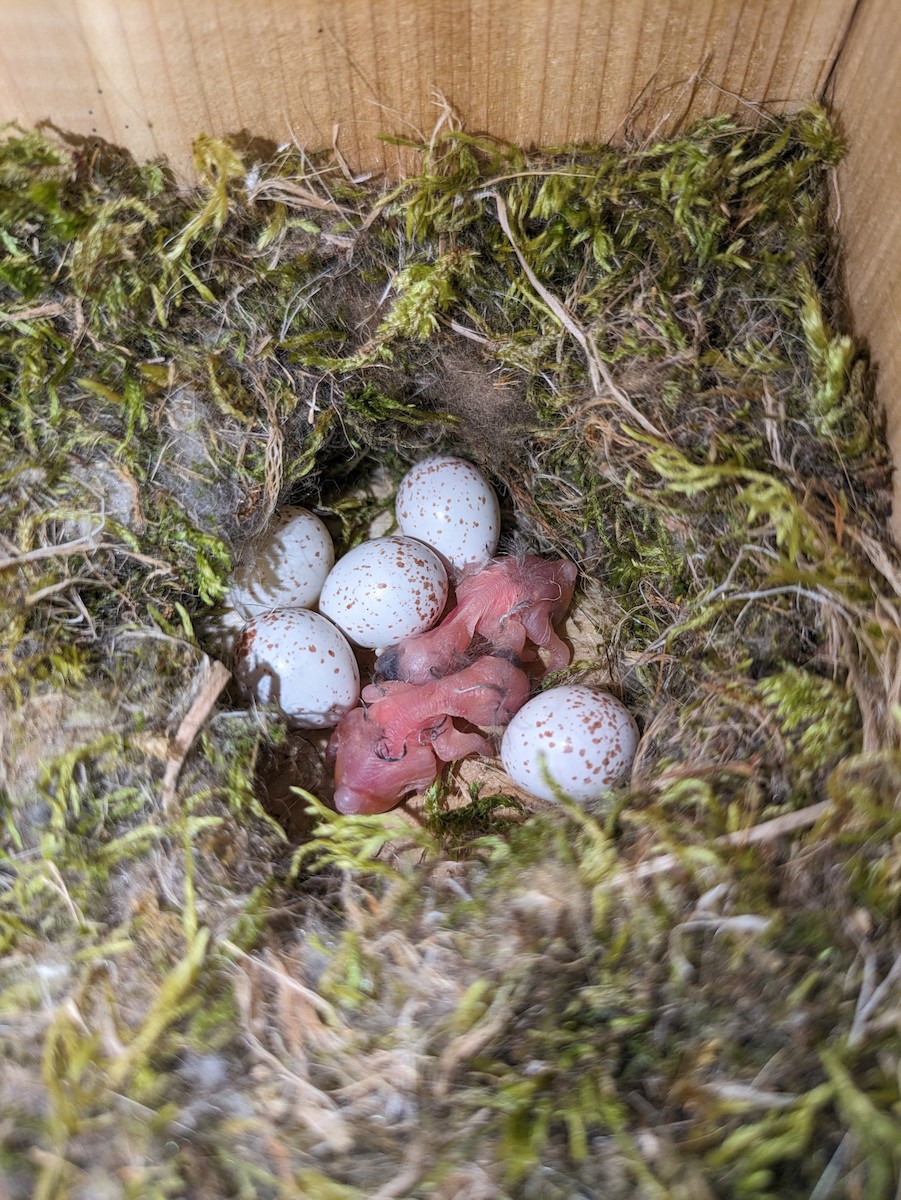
[(152, 74), (866, 91)]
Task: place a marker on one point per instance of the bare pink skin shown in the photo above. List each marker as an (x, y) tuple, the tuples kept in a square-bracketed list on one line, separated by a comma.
[(366, 782), (510, 602), (488, 692), (396, 744)]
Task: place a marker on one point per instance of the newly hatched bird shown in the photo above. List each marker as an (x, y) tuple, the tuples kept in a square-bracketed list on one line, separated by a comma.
[(510, 602), (396, 745)]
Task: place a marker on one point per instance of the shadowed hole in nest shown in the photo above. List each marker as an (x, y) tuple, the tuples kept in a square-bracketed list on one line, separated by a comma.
[(364, 508)]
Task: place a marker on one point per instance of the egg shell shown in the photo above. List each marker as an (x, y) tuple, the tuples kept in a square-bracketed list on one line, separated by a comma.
[(289, 568), (449, 504), (298, 660), (385, 589), (573, 741)]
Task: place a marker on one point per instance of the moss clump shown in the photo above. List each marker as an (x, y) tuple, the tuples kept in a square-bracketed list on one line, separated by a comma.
[(685, 992)]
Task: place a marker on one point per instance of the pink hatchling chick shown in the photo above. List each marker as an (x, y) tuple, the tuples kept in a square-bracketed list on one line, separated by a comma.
[(365, 780), (488, 692), (396, 745), (508, 602)]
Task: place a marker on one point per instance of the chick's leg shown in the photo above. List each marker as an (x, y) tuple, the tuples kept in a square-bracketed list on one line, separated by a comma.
[(451, 743)]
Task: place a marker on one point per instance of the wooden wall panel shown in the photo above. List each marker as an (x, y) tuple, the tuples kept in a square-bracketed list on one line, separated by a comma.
[(867, 94), (151, 74)]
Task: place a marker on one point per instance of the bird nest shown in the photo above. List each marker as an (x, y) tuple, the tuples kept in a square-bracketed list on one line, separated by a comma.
[(214, 985)]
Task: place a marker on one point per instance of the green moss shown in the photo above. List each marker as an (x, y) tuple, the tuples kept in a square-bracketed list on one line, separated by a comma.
[(644, 347), (350, 843)]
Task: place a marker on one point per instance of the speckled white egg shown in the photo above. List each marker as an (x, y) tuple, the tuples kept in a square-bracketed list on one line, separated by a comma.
[(289, 568), (448, 503), (573, 741), (298, 660), (384, 590)]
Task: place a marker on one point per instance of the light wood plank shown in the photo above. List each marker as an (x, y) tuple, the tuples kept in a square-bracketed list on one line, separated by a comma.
[(867, 97), (151, 74)]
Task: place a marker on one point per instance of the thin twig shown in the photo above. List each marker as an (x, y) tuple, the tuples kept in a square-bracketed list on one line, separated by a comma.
[(52, 589), (294, 195), (826, 1184), (727, 582), (597, 368), (768, 831), (77, 546), (794, 589), (59, 885), (217, 676), (407, 1177), (464, 331), (34, 314), (748, 1096), (82, 545), (866, 1007), (313, 998)]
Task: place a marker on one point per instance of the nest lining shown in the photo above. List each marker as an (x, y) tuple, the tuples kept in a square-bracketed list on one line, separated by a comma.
[(688, 991)]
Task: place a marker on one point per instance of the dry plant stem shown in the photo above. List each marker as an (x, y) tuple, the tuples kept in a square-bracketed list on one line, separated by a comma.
[(274, 452), (405, 1179), (474, 1040), (315, 1108), (34, 314), (77, 546), (867, 1005), (767, 832), (468, 333), (313, 998), (825, 1186), (82, 545), (286, 191), (217, 676), (597, 368), (51, 590), (746, 1095)]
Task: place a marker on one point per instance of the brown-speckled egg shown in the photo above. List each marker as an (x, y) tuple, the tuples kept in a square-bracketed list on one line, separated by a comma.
[(298, 660), (289, 568), (448, 503), (385, 589), (570, 741)]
